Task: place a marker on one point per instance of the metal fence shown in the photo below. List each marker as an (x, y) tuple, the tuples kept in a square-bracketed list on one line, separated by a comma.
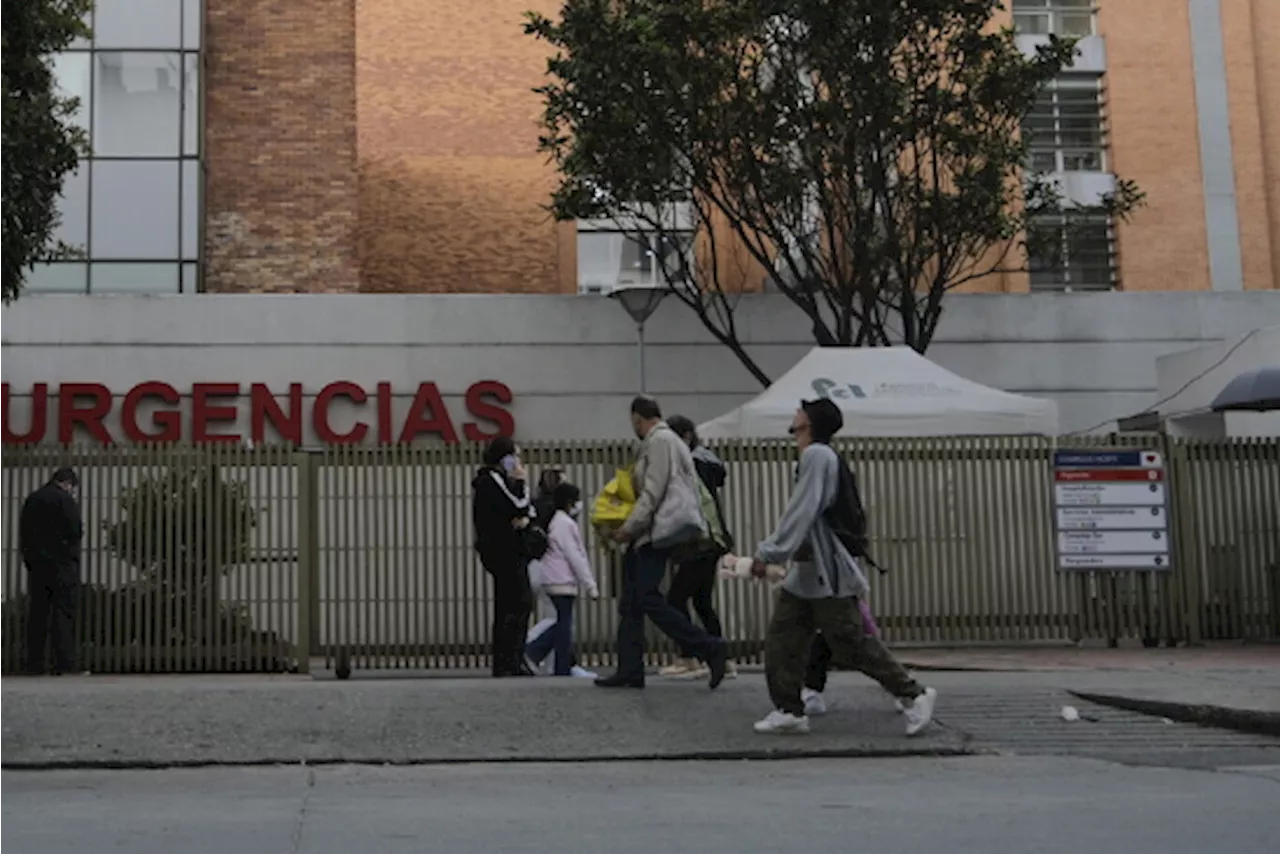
[(224, 558)]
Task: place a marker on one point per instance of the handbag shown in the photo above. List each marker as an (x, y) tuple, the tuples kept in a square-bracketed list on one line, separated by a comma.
[(678, 519), (534, 541)]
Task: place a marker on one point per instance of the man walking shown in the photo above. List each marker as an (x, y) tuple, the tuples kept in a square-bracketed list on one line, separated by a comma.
[(822, 589), (667, 514), (695, 576), (49, 535)]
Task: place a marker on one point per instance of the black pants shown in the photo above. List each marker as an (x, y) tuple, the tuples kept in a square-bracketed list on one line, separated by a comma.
[(695, 580), (512, 605), (53, 595), (815, 673), (642, 572)]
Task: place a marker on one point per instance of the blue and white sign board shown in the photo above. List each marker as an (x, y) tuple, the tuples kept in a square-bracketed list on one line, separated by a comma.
[(1111, 510)]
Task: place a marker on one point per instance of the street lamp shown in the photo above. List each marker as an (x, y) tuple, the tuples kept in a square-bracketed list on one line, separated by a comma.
[(640, 301)]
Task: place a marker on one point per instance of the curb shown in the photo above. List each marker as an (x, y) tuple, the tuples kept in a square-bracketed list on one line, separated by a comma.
[(762, 755), (1219, 717)]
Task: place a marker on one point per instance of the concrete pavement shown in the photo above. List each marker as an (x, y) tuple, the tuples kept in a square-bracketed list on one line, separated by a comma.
[(193, 720), (978, 805)]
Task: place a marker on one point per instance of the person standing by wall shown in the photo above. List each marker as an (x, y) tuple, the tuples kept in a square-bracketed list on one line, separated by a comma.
[(50, 531), (667, 514), (822, 589), (500, 510), (565, 574), (695, 576)]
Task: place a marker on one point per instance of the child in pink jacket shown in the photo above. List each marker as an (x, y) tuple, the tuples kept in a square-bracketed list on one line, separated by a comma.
[(566, 573)]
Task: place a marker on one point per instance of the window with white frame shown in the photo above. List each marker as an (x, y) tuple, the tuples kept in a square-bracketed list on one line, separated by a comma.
[(1072, 18), (1084, 256), (626, 253), (1066, 129)]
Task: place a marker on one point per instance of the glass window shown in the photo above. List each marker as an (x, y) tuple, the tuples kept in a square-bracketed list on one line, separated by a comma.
[(1080, 255), (191, 278), (73, 205), (133, 278), (608, 259), (138, 23), (71, 76), (136, 104), (191, 105), (190, 209), (83, 44), (135, 209), (63, 277), (192, 23)]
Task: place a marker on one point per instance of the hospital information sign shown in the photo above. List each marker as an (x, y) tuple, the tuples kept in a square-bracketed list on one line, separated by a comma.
[(1111, 510)]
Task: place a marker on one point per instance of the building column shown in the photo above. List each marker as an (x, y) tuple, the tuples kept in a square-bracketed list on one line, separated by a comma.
[(1217, 167)]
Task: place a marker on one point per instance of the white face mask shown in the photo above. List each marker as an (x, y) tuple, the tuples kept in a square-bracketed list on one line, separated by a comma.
[(576, 510)]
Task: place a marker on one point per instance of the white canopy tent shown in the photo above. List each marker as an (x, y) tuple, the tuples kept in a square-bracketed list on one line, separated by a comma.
[(886, 391)]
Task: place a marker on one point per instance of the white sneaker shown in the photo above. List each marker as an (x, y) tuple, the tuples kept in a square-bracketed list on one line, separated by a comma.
[(779, 722), (814, 703), (920, 711), (582, 673), (899, 706)]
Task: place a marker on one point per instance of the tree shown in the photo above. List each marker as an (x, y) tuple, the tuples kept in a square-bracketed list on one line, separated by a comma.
[(182, 530), (865, 155), (41, 142)]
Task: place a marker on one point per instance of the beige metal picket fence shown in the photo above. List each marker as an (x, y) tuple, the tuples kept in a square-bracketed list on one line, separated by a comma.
[(261, 559)]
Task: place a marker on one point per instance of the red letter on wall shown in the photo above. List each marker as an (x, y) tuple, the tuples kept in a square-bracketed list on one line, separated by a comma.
[(169, 421), (39, 416), (91, 418), (428, 398), (203, 414), (263, 408), (384, 413), (478, 406), (320, 416)]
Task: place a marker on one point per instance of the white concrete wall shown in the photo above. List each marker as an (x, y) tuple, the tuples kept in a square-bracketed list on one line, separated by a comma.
[(571, 361)]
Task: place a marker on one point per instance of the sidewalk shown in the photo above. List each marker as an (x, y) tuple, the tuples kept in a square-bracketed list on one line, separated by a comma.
[(1224, 685), (156, 721)]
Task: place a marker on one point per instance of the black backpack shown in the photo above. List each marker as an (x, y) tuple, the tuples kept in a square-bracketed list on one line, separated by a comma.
[(847, 518)]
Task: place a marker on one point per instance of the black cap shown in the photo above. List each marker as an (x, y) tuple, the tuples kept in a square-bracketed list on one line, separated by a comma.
[(825, 418), (65, 476)]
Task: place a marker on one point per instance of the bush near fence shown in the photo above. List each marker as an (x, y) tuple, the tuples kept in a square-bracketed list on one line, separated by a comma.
[(363, 554)]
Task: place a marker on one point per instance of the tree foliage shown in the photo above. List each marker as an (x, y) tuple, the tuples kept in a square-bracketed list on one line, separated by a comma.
[(41, 142), (866, 154), (183, 528)]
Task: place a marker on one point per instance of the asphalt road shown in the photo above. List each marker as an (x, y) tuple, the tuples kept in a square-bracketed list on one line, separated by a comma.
[(982, 804)]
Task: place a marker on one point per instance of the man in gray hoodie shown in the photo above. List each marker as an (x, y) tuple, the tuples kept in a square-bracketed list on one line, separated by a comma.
[(821, 591)]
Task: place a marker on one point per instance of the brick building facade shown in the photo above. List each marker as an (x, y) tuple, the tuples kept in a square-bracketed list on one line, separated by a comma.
[(389, 146)]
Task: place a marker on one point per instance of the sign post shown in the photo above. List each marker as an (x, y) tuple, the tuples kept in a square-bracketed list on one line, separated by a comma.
[(1111, 511)]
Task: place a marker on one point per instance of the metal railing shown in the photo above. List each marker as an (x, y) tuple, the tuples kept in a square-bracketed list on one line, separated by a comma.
[(225, 558)]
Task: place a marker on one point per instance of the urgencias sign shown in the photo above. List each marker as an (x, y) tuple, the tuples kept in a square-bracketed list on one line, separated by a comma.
[(154, 412)]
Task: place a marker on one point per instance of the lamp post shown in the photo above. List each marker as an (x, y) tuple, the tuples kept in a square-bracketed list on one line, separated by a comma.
[(640, 302)]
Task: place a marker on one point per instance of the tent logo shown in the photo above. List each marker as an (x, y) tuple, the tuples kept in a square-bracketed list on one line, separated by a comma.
[(829, 389)]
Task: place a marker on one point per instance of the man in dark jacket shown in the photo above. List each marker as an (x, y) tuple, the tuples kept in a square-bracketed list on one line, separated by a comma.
[(695, 576), (500, 510), (49, 535)]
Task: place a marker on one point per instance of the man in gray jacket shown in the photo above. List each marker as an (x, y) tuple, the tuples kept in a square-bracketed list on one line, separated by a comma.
[(666, 504), (821, 591)]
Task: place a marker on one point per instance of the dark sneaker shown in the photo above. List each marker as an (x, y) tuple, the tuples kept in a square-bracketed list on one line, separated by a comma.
[(618, 681), (718, 664)]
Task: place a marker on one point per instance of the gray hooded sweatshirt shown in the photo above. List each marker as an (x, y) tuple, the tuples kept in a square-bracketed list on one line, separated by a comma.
[(832, 572)]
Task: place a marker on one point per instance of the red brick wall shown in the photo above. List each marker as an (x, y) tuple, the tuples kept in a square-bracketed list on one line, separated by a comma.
[(281, 199)]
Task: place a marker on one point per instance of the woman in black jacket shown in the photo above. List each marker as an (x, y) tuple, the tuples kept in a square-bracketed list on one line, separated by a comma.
[(500, 508)]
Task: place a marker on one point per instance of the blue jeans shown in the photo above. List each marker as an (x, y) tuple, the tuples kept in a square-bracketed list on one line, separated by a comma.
[(642, 573), (558, 638)]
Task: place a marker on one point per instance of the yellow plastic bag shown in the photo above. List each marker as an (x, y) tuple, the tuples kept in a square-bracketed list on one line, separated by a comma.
[(614, 503)]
